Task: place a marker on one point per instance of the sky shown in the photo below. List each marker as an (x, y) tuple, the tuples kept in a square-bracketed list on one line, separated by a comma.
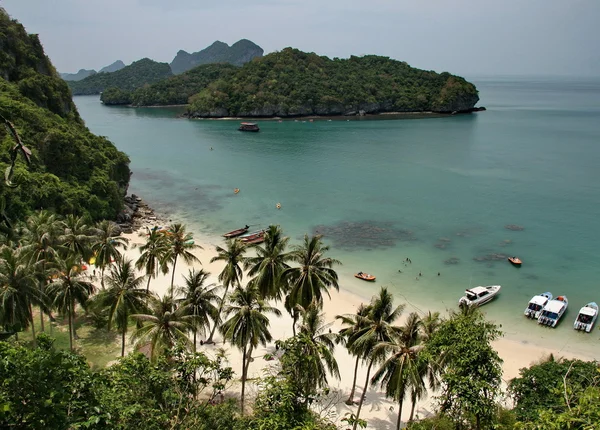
[(467, 37)]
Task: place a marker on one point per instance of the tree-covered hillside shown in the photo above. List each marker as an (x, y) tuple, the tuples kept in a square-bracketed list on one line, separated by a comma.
[(136, 75), (175, 90), (293, 83), (72, 170), (237, 54)]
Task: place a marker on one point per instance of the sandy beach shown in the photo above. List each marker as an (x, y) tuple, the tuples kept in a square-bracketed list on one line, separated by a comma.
[(380, 412)]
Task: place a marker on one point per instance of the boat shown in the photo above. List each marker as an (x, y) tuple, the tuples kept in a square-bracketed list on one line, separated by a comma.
[(364, 276), (587, 317), (479, 295), (248, 126), (553, 311), (252, 236), (236, 190), (515, 261), (256, 240), (236, 233), (536, 304)]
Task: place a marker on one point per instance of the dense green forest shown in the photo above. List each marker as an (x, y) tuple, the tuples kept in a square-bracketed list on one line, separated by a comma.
[(237, 54), (293, 83), (136, 75), (71, 170), (175, 90)]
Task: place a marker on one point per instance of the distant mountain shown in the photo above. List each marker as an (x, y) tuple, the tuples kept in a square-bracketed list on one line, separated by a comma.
[(82, 74), (117, 65), (136, 75), (237, 54)]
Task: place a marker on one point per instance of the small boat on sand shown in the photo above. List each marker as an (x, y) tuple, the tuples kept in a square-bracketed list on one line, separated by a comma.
[(364, 276), (479, 295), (553, 311), (248, 126), (250, 238), (587, 317), (236, 233), (536, 304), (515, 261)]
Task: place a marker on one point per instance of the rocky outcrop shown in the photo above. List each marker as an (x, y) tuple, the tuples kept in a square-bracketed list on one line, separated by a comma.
[(237, 54), (117, 65), (136, 214)]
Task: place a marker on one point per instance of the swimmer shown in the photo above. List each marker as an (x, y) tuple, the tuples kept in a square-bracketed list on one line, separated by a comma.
[(438, 273), (420, 274)]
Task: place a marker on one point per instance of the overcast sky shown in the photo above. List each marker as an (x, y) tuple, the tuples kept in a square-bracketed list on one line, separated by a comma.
[(468, 37)]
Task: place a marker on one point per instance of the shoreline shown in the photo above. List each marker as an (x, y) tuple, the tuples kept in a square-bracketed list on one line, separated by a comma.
[(516, 352)]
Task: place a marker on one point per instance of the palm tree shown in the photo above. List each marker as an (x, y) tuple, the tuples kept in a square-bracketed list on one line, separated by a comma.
[(106, 245), (375, 328), (198, 301), (163, 326), (248, 326), (354, 322), (40, 237), (314, 275), (17, 291), (152, 255), (231, 275), (180, 244), (68, 289), (400, 371), (321, 343), (270, 262), (77, 236), (123, 297)]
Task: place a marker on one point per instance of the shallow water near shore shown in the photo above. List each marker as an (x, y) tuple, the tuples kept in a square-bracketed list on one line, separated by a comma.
[(439, 191)]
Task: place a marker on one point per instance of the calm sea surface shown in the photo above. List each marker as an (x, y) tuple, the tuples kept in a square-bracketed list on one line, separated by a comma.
[(438, 191)]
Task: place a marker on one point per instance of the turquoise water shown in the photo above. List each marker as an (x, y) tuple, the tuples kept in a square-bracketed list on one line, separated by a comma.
[(437, 190)]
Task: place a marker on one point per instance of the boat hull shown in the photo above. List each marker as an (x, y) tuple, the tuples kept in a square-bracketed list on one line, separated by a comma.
[(368, 278), (235, 233)]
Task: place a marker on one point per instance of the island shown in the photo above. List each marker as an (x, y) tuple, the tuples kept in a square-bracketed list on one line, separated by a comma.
[(237, 54)]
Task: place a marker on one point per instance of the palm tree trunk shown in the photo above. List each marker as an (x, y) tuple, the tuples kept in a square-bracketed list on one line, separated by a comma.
[(412, 408), (350, 400), (399, 422), (173, 275), (102, 276), (70, 329), (32, 324), (362, 397), (148, 287), (294, 321), (214, 329), (195, 339), (244, 353), (123, 339), (73, 317)]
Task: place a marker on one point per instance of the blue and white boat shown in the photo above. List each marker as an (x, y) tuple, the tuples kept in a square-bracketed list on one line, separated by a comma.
[(586, 318), (553, 311), (536, 304)]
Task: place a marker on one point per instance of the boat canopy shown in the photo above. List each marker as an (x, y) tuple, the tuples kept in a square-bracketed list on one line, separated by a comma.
[(539, 300), (586, 310), (554, 306)]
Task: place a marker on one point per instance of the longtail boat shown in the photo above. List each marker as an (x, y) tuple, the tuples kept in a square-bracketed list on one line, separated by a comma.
[(259, 239), (252, 236), (236, 233)]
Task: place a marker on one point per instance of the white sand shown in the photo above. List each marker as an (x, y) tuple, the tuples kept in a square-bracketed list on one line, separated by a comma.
[(380, 412)]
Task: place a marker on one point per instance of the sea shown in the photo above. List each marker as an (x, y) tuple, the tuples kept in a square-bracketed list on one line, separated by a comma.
[(454, 195)]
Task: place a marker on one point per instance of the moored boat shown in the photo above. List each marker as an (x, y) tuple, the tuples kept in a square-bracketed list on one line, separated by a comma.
[(238, 232), (515, 261), (253, 236), (479, 295), (364, 276), (536, 305), (248, 126), (587, 317), (553, 311)]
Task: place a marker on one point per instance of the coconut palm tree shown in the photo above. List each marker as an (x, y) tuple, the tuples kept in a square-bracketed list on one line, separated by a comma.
[(152, 255), (231, 275), (68, 289), (40, 241), (198, 301), (77, 236), (106, 244), (321, 343), (180, 244), (123, 297), (377, 327), (247, 326), (400, 371), (313, 276), (353, 322), (164, 325), (18, 290), (271, 260)]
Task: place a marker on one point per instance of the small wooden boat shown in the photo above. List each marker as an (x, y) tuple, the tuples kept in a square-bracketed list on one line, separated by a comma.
[(553, 311), (536, 304), (252, 236), (237, 232), (479, 295), (587, 317), (248, 126), (259, 239), (516, 261), (365, 276)]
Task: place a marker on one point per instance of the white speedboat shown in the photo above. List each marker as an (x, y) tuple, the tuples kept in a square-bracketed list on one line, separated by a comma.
[(553, 311), (479, 295), (586, 318), (536, 304)]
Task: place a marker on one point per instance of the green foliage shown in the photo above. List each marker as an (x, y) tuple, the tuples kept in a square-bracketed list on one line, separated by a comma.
[(541, 387), (136, 75), (115, 96), (470, 368), (292, 83)]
